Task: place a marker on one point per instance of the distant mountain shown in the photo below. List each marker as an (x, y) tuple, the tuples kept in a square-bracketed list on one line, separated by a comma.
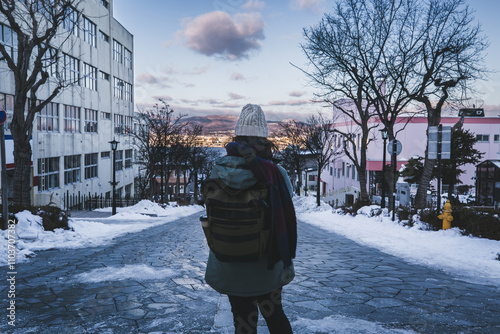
[(223, 123)]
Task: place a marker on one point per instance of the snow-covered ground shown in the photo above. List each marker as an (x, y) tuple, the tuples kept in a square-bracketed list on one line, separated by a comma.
[(31, 237), (471, 258)]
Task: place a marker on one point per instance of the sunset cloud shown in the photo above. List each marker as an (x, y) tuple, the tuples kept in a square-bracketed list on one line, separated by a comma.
[(219, 34)]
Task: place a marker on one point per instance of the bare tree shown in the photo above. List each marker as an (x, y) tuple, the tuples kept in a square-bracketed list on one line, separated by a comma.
[(348, 54), (38, 38), (293, 155), (157, 130), (385, 56), (193, 156), (450, 57), (320, 143)]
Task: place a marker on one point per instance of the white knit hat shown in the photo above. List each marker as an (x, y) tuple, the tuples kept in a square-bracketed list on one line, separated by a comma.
[(252, 122)]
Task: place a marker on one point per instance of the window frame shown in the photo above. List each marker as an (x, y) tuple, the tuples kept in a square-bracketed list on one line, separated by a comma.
[(91, 166), (89, 31), (91, 120), (49, 174), (47, 119), (72, 169), (90, 76), (72, 117)]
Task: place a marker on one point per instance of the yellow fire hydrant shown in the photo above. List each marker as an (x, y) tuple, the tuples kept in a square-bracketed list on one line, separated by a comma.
[(446, 215)]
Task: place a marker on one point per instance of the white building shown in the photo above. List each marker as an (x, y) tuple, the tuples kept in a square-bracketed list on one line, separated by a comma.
[(71, 152)]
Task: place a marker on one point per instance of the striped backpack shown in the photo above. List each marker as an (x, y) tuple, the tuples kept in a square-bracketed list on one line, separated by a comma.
[(237, 224)]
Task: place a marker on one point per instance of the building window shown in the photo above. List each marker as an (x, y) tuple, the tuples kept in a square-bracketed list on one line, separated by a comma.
[(48, 174), (128, 92), (71, 69), (127, 57), (71, 119), (483, 138), (90, 76), (128, 158), (118, 88), (70, 22), (104, 75), (106, 115), (103, 36), (51, 62), (72, 167), (122, 90), (104, 3), (48, 118), (90, 120), (128, 124), (119, 126), (106, 155), (8, 38), (117, 52), (89, 32), (496, 138), (90, 165), (119, 160), (128, 191)]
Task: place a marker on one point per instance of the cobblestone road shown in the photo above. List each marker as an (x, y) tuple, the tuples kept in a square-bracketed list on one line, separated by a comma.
[(339, 283)]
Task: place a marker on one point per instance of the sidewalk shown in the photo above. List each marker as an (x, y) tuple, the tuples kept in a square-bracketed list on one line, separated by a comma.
[(152, 282), (80, 214)]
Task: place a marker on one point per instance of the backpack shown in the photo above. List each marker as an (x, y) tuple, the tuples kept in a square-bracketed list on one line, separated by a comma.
[(237, 225)]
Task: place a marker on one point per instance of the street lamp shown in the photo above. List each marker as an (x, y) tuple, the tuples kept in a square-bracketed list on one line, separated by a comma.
[(384, 137), (114, 146)]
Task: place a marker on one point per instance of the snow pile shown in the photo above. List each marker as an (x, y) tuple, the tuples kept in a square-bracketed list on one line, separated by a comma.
[(32, 237), (309, 204), (469, 257), (140, 272), (146, 208), (370, 210)]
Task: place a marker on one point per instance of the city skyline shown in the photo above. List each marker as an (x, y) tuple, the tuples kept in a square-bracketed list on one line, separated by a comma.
[(213, 57)]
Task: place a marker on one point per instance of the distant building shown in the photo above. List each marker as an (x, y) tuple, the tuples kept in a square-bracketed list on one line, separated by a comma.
[(488, 183), (71, 152), (342, 181)]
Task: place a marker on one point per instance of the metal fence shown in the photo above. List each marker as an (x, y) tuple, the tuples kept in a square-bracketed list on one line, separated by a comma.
[(92, 202)]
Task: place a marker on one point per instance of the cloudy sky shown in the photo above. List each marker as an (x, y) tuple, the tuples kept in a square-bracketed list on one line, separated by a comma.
[(207, 57)]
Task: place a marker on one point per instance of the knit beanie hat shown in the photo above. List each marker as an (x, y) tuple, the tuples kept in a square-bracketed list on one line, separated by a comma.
[(252, 122)]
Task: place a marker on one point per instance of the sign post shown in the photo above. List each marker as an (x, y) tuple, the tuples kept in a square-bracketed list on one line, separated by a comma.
[(5, 204), (394, 149), (439, 149)]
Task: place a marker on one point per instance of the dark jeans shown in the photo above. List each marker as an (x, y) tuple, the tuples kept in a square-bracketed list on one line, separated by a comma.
[(246, 314)]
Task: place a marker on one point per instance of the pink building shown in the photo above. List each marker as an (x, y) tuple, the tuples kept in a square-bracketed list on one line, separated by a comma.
[(341, 179)]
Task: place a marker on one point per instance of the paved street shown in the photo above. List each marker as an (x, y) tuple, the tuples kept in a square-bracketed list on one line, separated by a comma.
[(338, 282)]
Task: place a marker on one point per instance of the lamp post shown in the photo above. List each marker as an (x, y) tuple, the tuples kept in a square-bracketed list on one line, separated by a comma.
[(114, 146), (384, 137)]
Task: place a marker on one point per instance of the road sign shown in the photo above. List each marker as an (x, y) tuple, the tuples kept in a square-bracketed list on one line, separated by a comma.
[(3, 116), (390, 147), (445, 142)]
